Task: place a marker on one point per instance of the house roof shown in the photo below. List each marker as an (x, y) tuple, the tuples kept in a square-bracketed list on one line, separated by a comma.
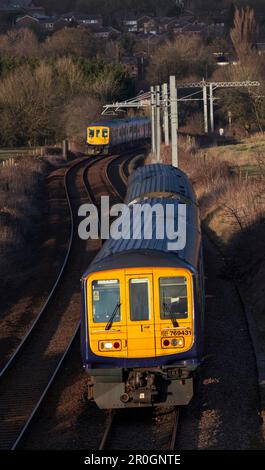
[(51, 19), (80, 16), (38, 18), (105, 29), (20, 18)]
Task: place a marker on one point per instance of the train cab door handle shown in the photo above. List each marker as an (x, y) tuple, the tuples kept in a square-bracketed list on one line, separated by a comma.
[(145, 327)]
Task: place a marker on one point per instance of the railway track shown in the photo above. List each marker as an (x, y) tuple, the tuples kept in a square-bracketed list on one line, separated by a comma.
[(115, 427), (29, 374), (107, 440)]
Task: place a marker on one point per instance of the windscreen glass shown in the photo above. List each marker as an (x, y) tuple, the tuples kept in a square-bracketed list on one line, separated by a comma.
[(173, 297), (106, 300)]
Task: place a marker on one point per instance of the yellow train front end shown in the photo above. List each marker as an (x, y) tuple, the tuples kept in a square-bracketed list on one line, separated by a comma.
[(98, 139), (140, 325), (153, 317)]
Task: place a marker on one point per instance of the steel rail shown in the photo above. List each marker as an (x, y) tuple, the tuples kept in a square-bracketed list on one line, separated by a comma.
[(51, 293), (14, 355), (106, 433), (121, 172), (173, 437), (32, 415), (30, 333), (43, 395)]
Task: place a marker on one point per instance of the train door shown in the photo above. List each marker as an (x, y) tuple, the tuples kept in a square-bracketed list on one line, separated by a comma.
[(140, 315)]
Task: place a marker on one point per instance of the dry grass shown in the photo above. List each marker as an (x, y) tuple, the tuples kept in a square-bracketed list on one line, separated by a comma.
[(18, 188), (248, 151), (233, 209)]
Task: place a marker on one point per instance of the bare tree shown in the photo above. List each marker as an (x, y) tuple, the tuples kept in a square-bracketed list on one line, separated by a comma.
[(19, 43), (245, 32), (79, 113), (183, 57), (71, 42)]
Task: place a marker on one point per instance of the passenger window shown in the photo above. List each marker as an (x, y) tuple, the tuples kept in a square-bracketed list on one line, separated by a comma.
[(91, 133), (173, 297), (106, 301), (105, 133), (139, 300)]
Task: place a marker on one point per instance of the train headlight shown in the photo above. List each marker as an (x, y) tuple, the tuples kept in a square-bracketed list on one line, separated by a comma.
[(177, 343), (110, 345), (173, 343)]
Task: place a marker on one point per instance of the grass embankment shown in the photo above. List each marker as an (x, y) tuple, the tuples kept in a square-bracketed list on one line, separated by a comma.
[(6, 153), (230, 184), (19, 214)]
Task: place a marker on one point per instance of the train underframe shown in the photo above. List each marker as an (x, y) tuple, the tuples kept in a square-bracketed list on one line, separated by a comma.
[(109, 149), (140, 387)]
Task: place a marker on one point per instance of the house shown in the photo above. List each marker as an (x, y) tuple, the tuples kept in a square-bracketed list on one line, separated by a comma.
[(80, 19), (89, 20), (44, 24), (47, 24), (176, 26), (166, 23), (105, 32), (27, 21), (148, 25), (130, 24)]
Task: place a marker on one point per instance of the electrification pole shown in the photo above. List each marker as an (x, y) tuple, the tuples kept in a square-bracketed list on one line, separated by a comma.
[(211, 107), (166, 116), (153, 112), (205, 106), (174, 119), (158, 128)]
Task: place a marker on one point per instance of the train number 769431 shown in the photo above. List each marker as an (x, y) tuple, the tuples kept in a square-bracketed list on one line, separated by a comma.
[(186, 332)]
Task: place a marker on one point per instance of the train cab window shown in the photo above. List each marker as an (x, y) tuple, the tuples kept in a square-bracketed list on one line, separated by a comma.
[(173, 297), (98, 133), (106, 301), (105, 133), (91, 133), (139, 300)]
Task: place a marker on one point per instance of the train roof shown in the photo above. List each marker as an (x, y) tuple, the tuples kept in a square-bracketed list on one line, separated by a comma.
[(119, 122), (154, 185), (134, 259), (153, 247), (158, 179)]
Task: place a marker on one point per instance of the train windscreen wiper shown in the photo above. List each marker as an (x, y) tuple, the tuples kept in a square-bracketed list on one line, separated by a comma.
[(167, 310), (113, 315)]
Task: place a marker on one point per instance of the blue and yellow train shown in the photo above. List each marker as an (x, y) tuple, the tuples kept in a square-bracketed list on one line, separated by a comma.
[(143, 305), (105, 137)]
